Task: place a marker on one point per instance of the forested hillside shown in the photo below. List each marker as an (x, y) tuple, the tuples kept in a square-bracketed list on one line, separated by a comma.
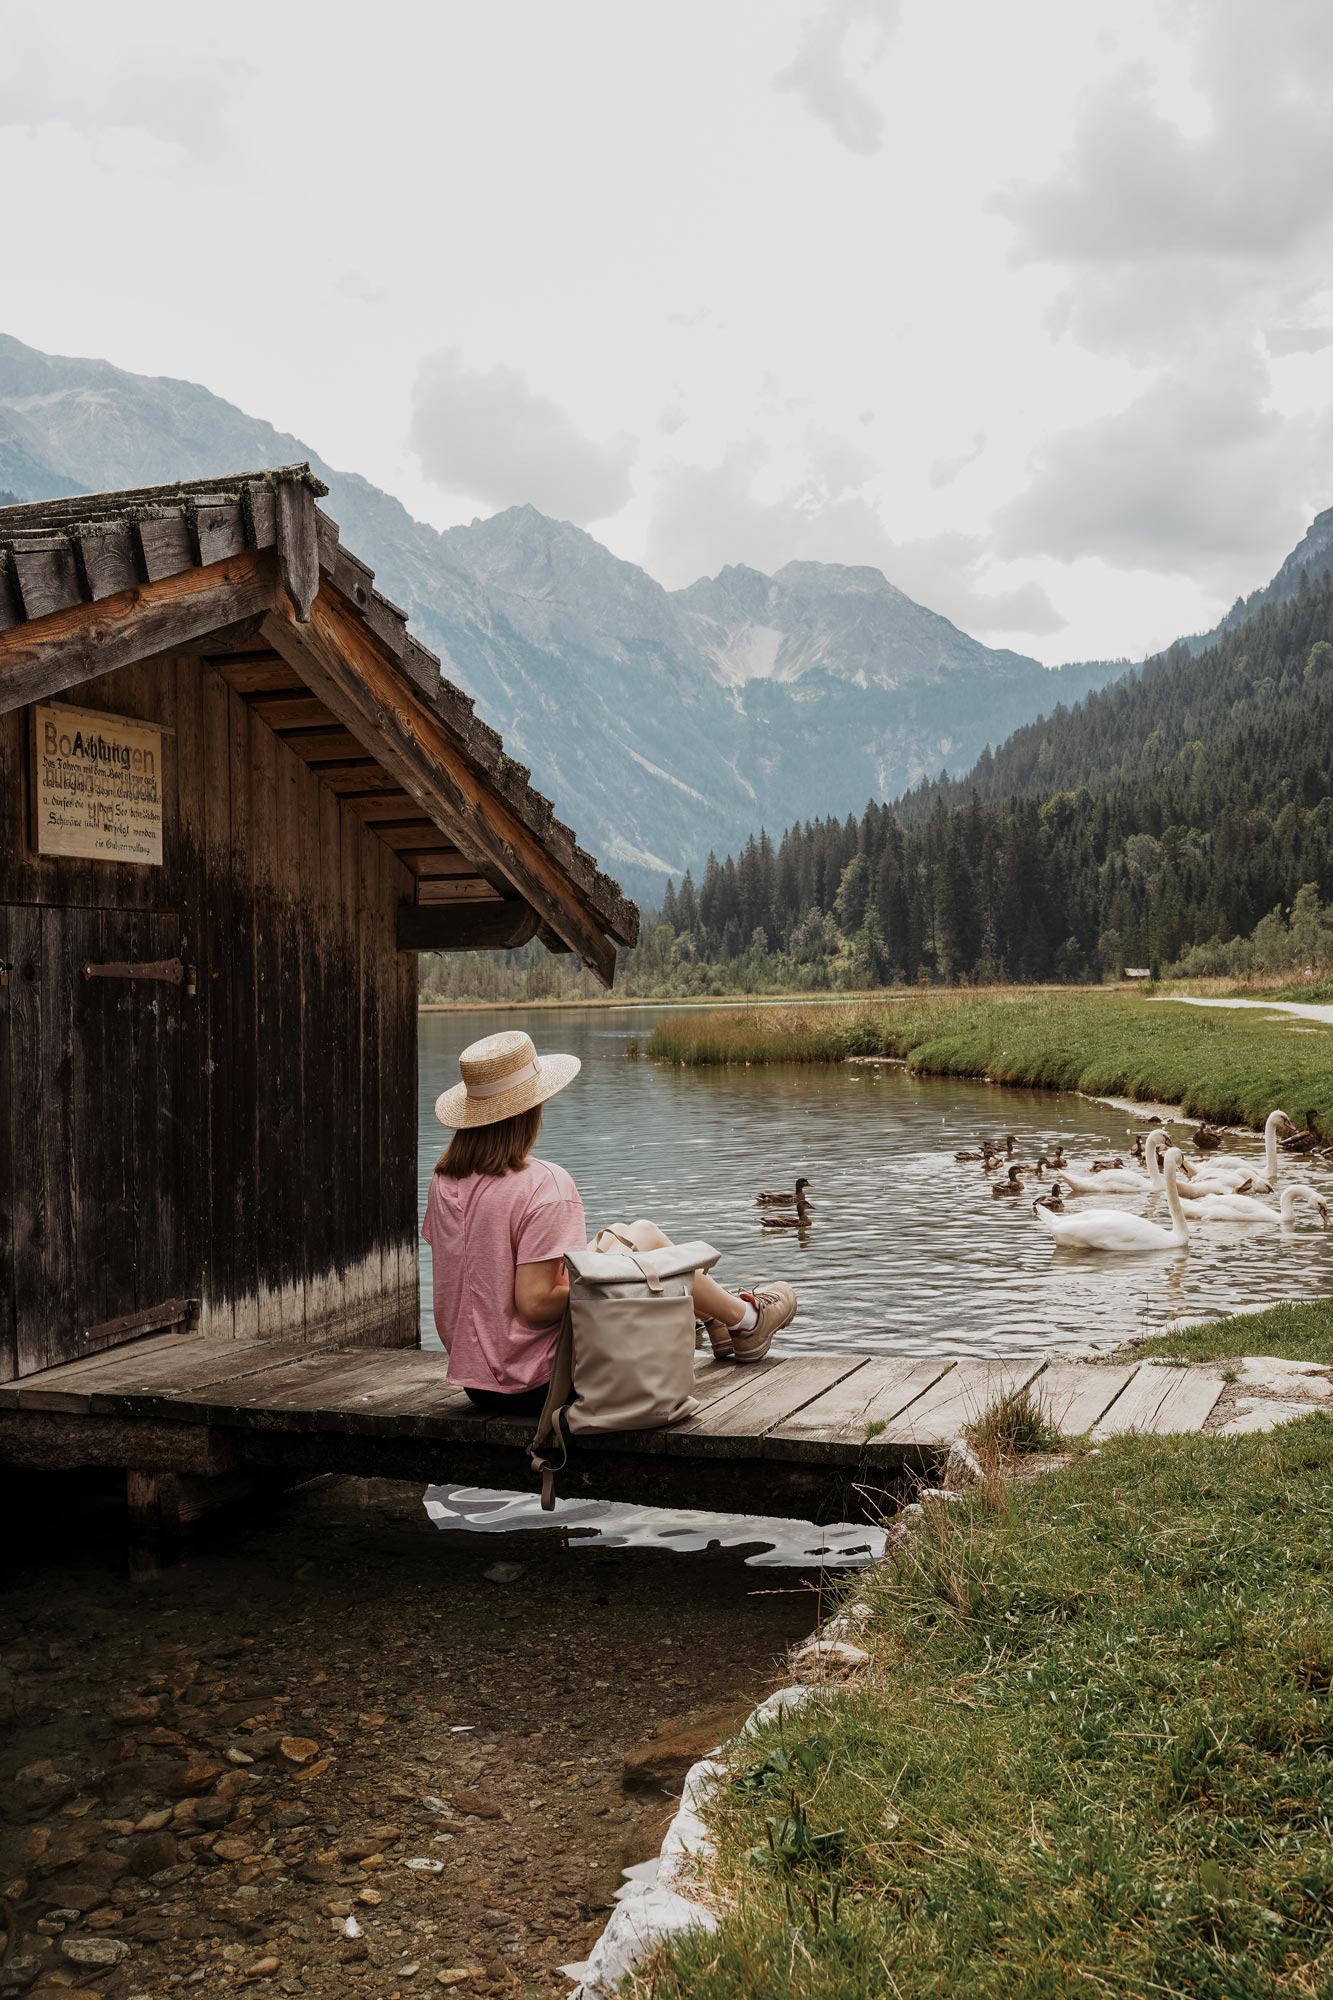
[(1179, 806)]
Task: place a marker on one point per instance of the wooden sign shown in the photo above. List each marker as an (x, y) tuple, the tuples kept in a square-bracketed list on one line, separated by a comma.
[(97, 785)]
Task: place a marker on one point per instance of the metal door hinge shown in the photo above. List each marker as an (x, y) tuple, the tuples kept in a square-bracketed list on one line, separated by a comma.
[(171, 971)]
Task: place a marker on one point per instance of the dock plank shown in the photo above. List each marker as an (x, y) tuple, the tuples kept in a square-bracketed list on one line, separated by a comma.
[(1074, 1396), (957, 1399), (734, 1426), (1162, 1400), (832, 1428), (125, 1371)]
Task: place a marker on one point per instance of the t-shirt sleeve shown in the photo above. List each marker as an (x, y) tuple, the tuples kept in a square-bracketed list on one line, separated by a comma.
[(549, 1228)]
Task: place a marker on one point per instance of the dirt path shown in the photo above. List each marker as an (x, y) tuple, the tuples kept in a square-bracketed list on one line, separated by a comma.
[(212, 1771), (1303, 1010)]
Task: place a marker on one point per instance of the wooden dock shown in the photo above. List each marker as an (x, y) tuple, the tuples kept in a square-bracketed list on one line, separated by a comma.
[(810, 1435)]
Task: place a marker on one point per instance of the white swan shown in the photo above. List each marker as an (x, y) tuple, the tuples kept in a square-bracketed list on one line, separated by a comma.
[(1111, 1180), (1220, 1176), (1117, 1229), (1244, 1208)]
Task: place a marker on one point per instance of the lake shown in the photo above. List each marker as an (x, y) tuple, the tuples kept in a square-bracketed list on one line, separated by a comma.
[(908, 1252)]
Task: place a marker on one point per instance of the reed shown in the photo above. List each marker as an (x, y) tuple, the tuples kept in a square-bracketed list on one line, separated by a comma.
[(1232, 1067)]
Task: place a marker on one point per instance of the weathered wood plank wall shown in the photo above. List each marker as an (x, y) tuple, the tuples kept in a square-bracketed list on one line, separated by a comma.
[(265, 1160)]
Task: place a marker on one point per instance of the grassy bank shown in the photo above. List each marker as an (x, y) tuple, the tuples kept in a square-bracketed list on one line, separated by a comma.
[(1111, 1043), (1090, 1757), (1299, 1331)]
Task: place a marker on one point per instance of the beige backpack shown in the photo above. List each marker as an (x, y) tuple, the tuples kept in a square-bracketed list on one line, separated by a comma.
[(625, 1356)]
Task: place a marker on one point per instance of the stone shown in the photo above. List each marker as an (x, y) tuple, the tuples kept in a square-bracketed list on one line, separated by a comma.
[(962, 1467), (263, 1968), (102, 1952), (231, 1784), (309, 1772), (504, 1572), (371, 1896), (79, 1896), (1253, 1413), (200, 1774), (154, 1852), (828, 1659), (659, 1763), (298, 1749), (235, 1756), (479, 1804), (458, 1975), (153, 1820), (232, 1847), (130, 1708)]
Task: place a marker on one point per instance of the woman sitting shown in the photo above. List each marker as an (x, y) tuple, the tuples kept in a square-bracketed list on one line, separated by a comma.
[(499, 1221)]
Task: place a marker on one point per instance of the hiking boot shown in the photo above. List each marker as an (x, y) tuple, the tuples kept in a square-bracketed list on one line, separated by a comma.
[(776, 1307), (719, 1338)]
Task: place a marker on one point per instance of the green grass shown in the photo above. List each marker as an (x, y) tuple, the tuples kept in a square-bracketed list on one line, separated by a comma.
[(1233, 1067), (1091, 1756), (1297, 1332)]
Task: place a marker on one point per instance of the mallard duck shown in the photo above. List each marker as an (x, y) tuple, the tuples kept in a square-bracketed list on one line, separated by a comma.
[(1056, 1157), (1307, 1141), (1013, 1185), (1207, 1138), (1108, 1163), (987, 1152), (1053, 1201), (798, 1220), (772, 1198)]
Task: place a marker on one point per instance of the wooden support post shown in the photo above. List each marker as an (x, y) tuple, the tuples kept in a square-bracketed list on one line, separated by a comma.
[(298, 545)]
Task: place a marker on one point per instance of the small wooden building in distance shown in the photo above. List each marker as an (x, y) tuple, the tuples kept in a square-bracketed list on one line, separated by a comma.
[(236, 799)]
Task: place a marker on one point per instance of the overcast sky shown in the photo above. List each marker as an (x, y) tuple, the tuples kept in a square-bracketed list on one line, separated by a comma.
[(1031, 304)]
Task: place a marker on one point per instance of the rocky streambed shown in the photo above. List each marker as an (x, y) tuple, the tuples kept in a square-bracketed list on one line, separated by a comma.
[(335, 1751)]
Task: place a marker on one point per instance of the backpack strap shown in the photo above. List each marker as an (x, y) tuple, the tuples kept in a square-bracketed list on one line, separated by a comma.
[(549, 1451)]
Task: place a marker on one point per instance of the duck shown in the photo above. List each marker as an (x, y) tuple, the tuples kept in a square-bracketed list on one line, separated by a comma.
[(1056, 1157), (799, 1219), (1308, 1141), (1244, 1208), (1053, 1201), (777, 1198), (1207, 1138), (986, 1152), (1115, 1229), (1013, 1185), (1108, 1163)]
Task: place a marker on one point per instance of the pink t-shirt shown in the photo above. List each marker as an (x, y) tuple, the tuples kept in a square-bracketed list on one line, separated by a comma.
[(479, 1231)]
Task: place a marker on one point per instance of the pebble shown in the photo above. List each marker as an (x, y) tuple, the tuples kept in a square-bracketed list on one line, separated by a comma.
[(298, 1749), (263, 1968), (94, 1951), (503, 1572), (455, 1975)]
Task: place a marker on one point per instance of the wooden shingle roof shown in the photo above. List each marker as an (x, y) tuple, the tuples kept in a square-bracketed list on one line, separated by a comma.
[(62, 560)]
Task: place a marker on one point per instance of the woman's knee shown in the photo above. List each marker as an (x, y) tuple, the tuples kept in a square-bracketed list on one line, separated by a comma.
[(647, 1235)]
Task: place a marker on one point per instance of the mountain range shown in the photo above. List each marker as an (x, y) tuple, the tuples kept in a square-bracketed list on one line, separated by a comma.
[(662, 723)]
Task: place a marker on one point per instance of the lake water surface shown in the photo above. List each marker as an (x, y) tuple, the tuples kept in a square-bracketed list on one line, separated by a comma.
[(908, 1252)]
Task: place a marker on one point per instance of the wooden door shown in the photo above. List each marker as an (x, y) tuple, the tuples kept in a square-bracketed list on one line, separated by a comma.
[(89, 1066)]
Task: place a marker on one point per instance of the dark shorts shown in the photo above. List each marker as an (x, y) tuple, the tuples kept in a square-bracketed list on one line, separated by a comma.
[(526, 1403)]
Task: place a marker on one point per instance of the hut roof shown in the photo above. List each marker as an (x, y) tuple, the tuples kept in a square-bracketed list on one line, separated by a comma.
[(248, 560)]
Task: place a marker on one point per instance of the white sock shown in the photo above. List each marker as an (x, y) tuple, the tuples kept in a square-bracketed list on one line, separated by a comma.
[(748, 1321)]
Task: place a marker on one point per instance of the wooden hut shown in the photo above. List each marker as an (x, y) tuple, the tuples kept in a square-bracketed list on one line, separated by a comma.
[(236, 799)]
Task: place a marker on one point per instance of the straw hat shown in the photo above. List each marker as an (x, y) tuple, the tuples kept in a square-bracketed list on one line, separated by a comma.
[(502, 1075)]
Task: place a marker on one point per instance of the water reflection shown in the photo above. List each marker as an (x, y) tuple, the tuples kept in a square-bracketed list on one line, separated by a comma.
[(906, 1250)]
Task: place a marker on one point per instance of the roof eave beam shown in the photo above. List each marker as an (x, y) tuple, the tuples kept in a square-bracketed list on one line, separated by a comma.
[(342, 663), (78, 644)]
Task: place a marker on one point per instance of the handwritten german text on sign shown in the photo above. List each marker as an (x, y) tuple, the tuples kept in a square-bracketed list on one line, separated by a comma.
[(97, 785)]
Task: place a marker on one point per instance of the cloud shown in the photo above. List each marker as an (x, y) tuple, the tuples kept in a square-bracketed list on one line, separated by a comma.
[(705, 516), (486, 433), (363, 291), (182, 101), (945, 470), (1198, 476), (825, 71)]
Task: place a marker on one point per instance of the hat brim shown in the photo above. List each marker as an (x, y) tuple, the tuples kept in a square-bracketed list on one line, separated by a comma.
[(460, 1112)]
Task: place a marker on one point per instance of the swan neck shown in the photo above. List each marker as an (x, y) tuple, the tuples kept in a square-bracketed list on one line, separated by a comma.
[(1173, 1202)]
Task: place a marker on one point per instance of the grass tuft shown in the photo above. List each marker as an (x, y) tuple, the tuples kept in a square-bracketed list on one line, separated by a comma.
[(1016, 1424)]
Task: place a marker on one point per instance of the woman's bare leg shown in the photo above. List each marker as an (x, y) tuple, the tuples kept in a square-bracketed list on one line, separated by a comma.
[(711, 1301)]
